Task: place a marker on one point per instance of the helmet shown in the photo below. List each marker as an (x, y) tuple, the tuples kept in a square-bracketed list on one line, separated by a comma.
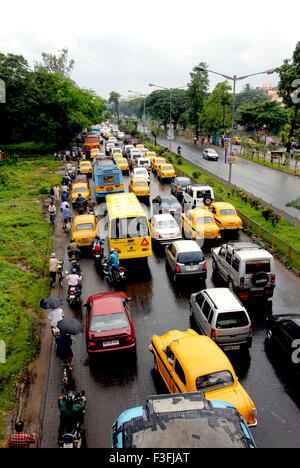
[(53, 255), (112, 250), (74, 270), (69, 400), (90, 198), (72, 240)]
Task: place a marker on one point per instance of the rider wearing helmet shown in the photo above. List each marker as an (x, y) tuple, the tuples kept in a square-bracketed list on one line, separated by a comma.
[(71, 411), (74, 280), (113, 263)]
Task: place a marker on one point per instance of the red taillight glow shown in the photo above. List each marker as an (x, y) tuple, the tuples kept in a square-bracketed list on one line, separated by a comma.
[(178, 270), (91, 343), (213, 334), (242, 281), (177, 189), (243, 295), (204, 266), (273, 279), (250, 330)]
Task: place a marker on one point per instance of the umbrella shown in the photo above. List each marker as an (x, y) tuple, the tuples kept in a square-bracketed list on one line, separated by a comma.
[(70, 326), (50, 302)]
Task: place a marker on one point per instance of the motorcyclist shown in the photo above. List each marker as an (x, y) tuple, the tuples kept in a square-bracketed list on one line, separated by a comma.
[(71, 411), (79, 201), (64, 197), (97, 244), (90, 205), (52, 210), (73, 249), (74, 280), (66, 213), (179, 150), (113, 263)]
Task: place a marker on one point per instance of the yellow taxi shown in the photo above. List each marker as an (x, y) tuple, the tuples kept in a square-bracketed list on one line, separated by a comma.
[(226, 217), (123, 164), (94, 152), (84, 229), (151, 155), (156, 163), (188, 362), (107, 135), (81, 188), (140, 146), (86, 168), (199, 223), (165, 171), (116, 152), (251, 141), (139, 187), (236, 140)]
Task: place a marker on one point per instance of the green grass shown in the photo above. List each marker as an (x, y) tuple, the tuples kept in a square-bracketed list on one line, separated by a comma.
[(275, 165), (25, 244)]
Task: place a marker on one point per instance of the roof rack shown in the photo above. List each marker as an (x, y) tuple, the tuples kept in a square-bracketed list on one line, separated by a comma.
[(236, 246)]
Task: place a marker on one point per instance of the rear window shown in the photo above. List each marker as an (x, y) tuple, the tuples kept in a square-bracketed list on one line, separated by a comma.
[(79, 189), (232, 320), (214, 381), (85, 226), (103, 323), (203, 193), (258, 266), (227, 212), (204, 219), (140, 184), (166, 224), (190, 257), (129, 228)]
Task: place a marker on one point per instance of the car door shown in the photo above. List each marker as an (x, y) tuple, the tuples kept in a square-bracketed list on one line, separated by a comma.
[(197, 310), (221, 263), (206, 316)]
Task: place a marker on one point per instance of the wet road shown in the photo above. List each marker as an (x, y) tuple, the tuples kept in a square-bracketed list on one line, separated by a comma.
[(158, 305), (272, 186)]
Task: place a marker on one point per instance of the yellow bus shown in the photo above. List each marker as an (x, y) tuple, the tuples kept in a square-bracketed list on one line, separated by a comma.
[(128, 226)]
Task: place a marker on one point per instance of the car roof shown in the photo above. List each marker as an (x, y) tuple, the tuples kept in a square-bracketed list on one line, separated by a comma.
[(85, 218), (107, 302), (222, 205), (163, 216), (224, 299), (187, 245)]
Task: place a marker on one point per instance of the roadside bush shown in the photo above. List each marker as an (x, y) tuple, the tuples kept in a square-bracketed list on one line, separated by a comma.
[(270, 215), (196, 175)]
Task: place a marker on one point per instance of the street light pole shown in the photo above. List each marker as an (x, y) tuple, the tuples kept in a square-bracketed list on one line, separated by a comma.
[(234, 78)]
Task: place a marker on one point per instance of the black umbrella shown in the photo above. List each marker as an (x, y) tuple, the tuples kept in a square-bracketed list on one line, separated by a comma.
[(50, 302), (70, 326)]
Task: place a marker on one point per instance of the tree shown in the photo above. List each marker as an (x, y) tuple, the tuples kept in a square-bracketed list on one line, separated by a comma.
[(268, 115), (288, 89), (249, 96), (216, 112), (197, 93), (114, 98), (56, 64)]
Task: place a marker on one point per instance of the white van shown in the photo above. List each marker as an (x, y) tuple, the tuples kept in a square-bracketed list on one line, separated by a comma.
[(143, 162), (198, 196)]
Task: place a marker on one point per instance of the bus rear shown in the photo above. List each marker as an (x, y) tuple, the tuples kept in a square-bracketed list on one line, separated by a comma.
[(108, 179)]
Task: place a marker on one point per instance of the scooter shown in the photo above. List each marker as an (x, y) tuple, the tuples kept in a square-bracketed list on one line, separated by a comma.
[(74, 296), (118, 274), (98, 257)]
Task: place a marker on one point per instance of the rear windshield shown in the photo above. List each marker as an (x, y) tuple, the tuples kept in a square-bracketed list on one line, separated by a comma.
[(168, 168), (227, 212), (203, 193), (214, 381), (166, 224), (128, 228), (190, 257), (232, 320), (140, 184), (183, 183), (83, 227), (204, 219), (103, 323), (258, 266)]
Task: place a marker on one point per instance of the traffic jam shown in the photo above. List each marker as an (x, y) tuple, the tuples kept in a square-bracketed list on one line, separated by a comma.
[(162, 293)]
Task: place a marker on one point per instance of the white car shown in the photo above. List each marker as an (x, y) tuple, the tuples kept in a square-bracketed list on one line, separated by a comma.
[(164, 229), (141, 172), (210, 153), (112, 140), (121, 135)]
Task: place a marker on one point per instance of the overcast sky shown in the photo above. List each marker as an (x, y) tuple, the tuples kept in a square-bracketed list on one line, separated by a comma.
[(121, 45)]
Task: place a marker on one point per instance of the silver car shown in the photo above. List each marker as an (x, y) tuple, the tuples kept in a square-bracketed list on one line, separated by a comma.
[(185, 259), (164, 229)]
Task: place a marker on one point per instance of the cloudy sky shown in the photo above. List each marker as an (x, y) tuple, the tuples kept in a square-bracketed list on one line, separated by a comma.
[(121, 45)]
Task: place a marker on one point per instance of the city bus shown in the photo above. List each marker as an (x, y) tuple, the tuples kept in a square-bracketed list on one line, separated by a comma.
[(108, 178), (128, 227)]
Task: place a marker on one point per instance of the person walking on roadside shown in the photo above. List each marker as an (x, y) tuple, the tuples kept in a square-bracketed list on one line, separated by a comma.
[(52, 194), (56, 193), (53, 264), (195, 139), (52, 212), (20, 439)]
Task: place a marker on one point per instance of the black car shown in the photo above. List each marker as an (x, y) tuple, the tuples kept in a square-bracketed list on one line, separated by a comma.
[(167, 204), (284, 330), (178, 186)]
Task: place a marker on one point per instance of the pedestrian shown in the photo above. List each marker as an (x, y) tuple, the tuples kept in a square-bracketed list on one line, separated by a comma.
[(292, 152), (195, 139), (53, 264), (52, 194), (56, 193), (55, 156), (64, 197), (20, 439), (55, 316), (52, 211)]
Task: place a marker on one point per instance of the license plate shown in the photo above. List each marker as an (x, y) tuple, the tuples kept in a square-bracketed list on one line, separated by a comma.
[(110, 343), (68, 446), (231, 348), (192, 267), (257, 289)]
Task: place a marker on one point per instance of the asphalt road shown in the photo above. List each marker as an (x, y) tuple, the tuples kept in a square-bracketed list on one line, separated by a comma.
[(158, 305), (272, 186)]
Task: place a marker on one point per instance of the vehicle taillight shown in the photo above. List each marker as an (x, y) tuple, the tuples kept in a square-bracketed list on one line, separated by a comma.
[(242, 281), (91, 343), (254, 412), (250, 330), (158, 235), (273, 279), (204, 266), (177, 189), (213, 334), (243, 295), (178, 270)]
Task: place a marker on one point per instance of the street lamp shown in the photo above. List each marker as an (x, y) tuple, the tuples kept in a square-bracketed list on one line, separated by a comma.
[(233, 78), (143, 96), (170, 90)]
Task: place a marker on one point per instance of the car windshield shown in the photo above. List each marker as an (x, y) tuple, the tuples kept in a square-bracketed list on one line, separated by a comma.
[(183, 183), (232, 320), (103, 323), (257, 266), (190, 257), (227, 212), (128, 228), (167, 224), (140, 184), (84, 227), (204, 219), (214, 381), (79, 189)]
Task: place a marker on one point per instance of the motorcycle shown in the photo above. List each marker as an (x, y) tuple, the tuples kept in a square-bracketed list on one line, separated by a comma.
[(67, 225), (60, 274), (74, 295), (74, 262), (73, 434), (118, 274), (98, 257), (81, 208), (52, 218)]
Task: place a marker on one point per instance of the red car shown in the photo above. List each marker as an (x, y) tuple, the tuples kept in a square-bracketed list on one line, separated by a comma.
[(109, 324), (81, 178)]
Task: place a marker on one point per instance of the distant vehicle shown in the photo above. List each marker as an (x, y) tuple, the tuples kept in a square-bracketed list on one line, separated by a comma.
[(211, 154), (108, 178), (140, 172), (91, 142), (167, 204), (226, 217), (198, 196), (178, 186), (84, 229), (185, 259), (164, 229), (284, 331), (109, 325), (199, 223), (181, 421), (139, 186)]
